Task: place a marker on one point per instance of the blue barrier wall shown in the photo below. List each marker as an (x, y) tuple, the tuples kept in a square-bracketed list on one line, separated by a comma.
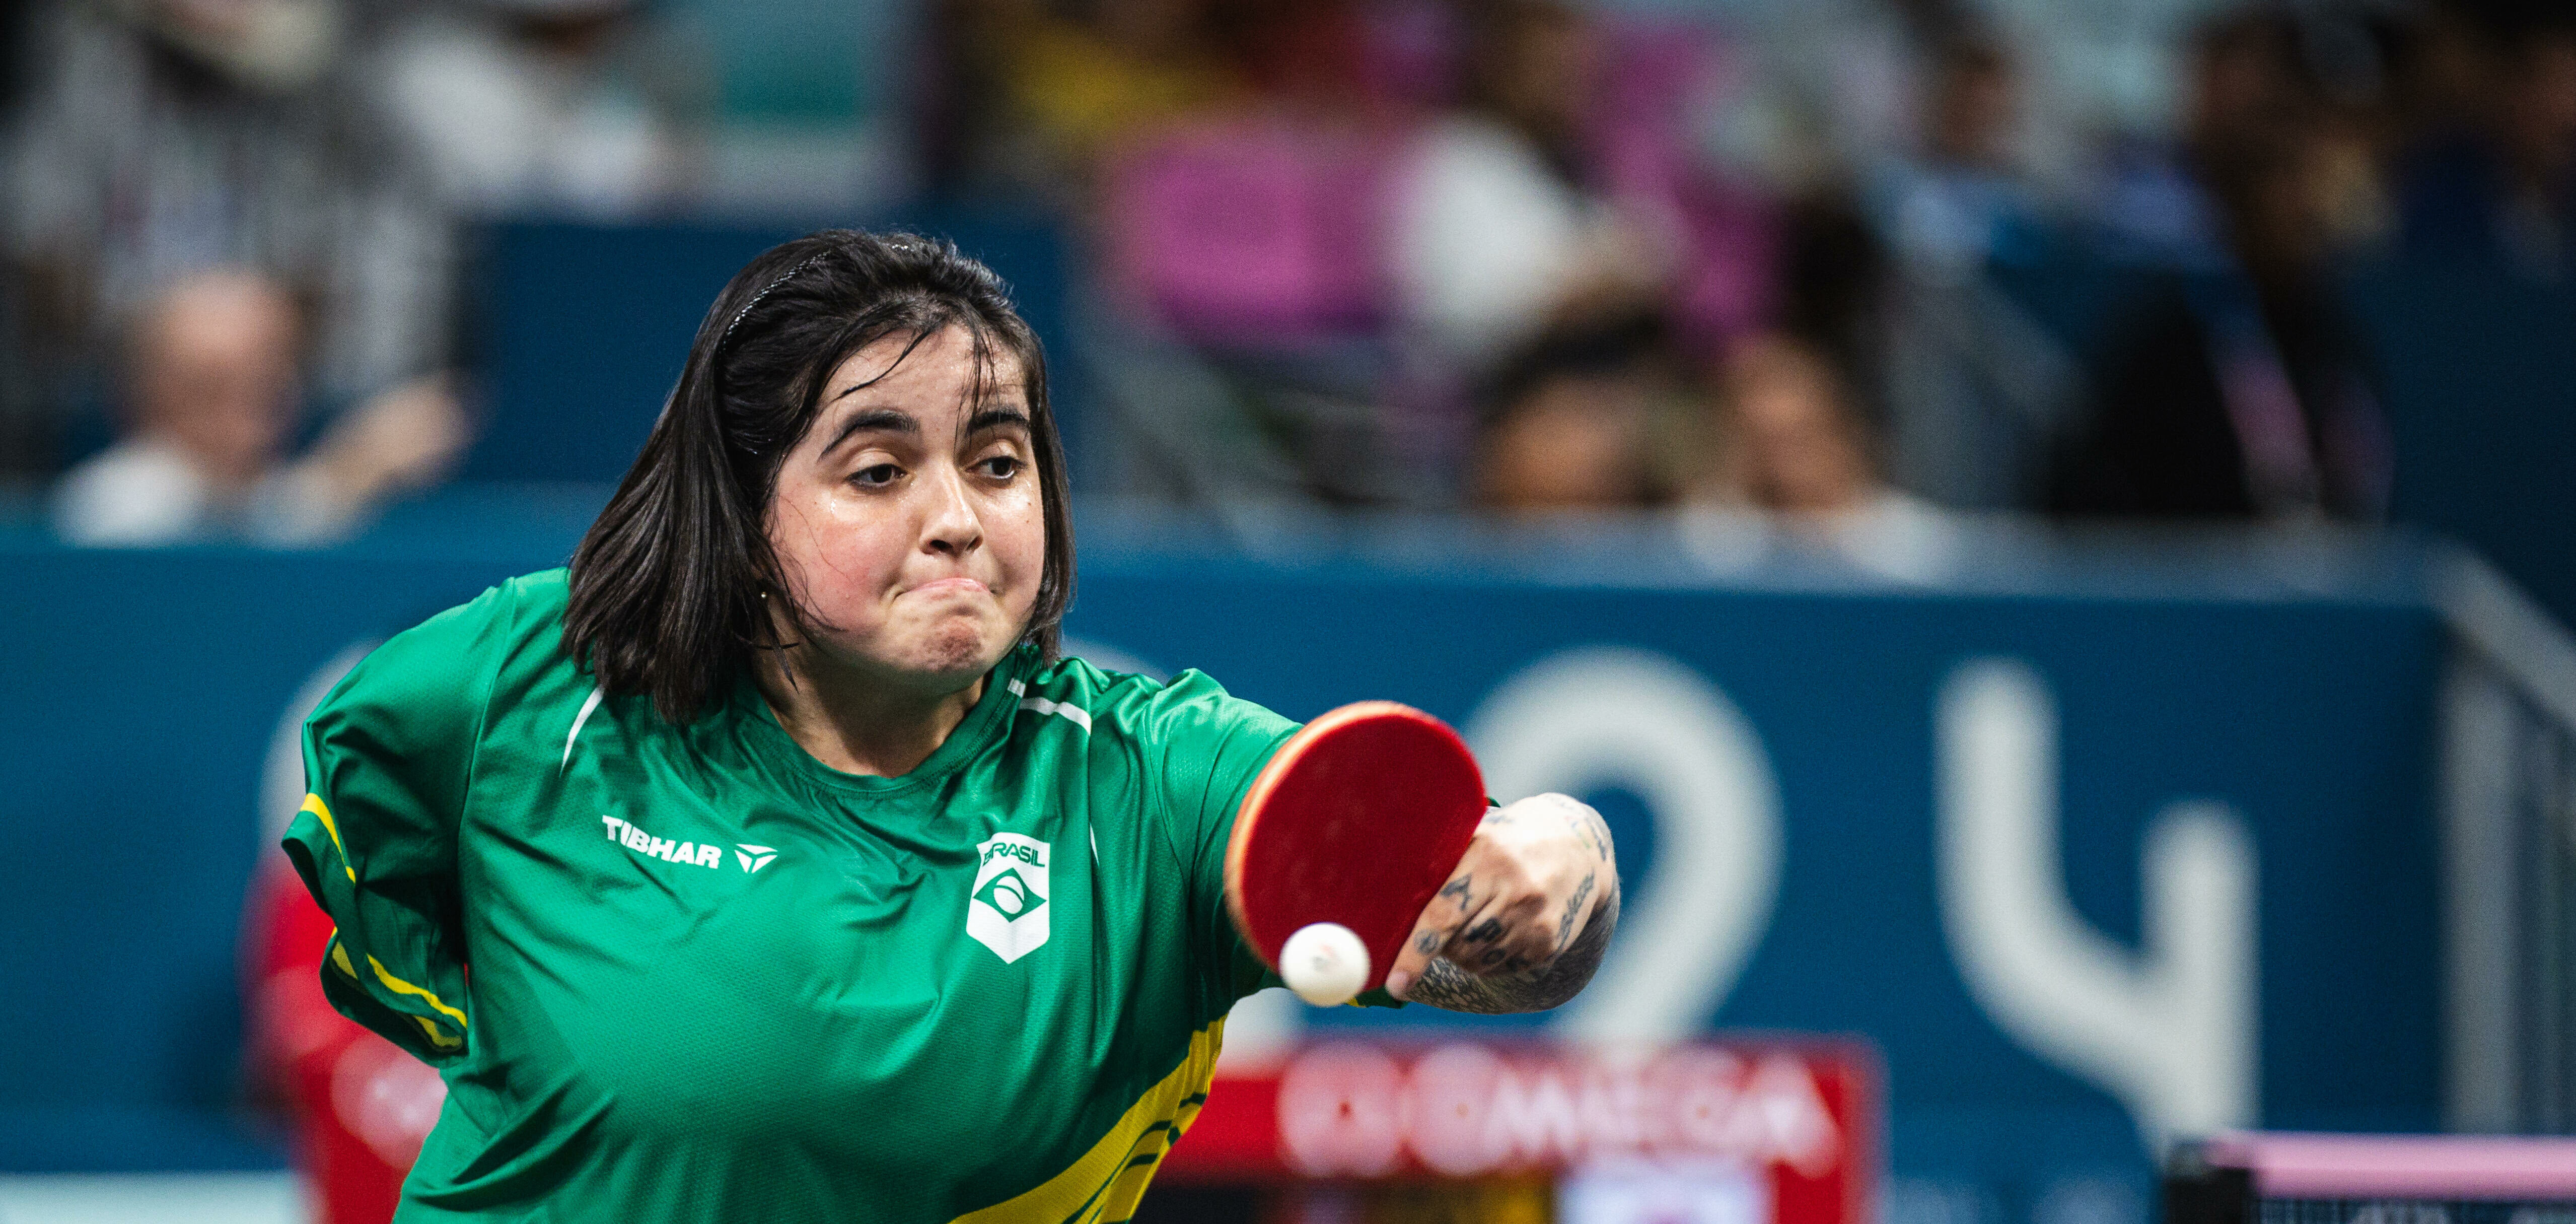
[(143, 689), (580, 330)]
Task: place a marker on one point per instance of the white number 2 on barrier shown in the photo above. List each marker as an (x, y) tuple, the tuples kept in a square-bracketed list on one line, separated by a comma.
[(1599, 716)]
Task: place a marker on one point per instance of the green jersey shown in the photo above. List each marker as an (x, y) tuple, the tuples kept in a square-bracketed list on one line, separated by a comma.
[(688, 972)]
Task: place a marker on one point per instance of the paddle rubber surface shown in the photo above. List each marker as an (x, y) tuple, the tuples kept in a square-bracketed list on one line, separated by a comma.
[(1358, 819)]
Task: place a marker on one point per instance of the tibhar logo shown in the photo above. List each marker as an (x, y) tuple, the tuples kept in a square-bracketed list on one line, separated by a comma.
[(1006, 910), (753, 857), (694, 854)]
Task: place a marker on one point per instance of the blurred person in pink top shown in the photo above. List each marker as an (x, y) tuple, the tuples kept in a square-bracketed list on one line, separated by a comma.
[(213, 397)]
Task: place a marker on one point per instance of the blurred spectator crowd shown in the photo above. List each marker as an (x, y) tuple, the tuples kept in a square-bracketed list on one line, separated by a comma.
[(1833, 267)]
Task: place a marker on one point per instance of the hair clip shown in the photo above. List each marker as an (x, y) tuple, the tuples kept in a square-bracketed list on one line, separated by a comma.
[(765, 291)]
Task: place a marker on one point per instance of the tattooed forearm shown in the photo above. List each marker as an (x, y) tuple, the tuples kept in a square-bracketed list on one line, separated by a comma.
[(1445, 985)]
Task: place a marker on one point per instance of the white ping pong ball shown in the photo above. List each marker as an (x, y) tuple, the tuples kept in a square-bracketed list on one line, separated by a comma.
[(1324, 963)]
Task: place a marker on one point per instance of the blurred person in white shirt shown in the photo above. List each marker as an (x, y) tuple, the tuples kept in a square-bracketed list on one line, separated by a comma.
[(214, 398), (1496, 236), (161, 137), (536, 106)]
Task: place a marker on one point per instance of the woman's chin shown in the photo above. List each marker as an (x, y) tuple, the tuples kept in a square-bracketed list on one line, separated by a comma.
[(958, 650), (945, 655)]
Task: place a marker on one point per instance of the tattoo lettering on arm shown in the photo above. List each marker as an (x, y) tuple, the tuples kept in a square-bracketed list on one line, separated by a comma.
[(1447, 986), (1573, 910)]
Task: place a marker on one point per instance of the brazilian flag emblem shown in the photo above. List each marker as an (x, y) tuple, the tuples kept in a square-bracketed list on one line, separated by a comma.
[(1006, 909), (1009, 895)]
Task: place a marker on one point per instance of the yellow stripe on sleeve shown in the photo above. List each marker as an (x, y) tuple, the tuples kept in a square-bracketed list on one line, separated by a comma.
[(1110, 1178), (399, 986), (437, 1035), (313, 803)]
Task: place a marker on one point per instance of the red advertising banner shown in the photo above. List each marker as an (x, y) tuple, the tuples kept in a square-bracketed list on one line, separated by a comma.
[(1795, 1123)]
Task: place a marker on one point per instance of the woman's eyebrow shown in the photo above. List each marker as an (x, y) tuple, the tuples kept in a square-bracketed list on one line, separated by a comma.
[(890, 420), (997, 417)]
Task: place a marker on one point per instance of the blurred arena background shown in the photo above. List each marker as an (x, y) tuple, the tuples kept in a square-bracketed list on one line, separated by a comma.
[(2046, 525)]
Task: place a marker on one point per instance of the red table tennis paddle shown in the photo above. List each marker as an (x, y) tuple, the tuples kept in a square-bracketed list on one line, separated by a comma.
[(1357, 820)]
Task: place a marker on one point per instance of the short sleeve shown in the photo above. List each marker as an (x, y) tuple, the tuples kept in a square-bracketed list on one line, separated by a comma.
[(388, 760), (1205, 748)]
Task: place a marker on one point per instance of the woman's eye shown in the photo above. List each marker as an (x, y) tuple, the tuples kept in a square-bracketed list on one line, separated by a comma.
[(1001, 467), (875, 477)]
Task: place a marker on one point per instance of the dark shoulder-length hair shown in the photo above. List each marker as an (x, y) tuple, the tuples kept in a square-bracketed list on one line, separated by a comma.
[(669, 586)]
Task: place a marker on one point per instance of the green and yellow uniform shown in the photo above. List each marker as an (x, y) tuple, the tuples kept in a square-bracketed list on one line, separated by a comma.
[(688, 972)]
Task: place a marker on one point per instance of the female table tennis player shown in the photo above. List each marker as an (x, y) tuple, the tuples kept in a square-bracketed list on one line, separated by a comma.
[(714, 815)]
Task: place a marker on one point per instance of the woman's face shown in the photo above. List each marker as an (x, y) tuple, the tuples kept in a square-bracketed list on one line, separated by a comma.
[(908, 519)]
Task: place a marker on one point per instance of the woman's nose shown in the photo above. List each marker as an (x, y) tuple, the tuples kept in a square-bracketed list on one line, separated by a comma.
[(951, 524)]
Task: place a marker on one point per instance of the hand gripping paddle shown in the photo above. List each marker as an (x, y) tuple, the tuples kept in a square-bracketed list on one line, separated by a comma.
[(1357, 820)]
